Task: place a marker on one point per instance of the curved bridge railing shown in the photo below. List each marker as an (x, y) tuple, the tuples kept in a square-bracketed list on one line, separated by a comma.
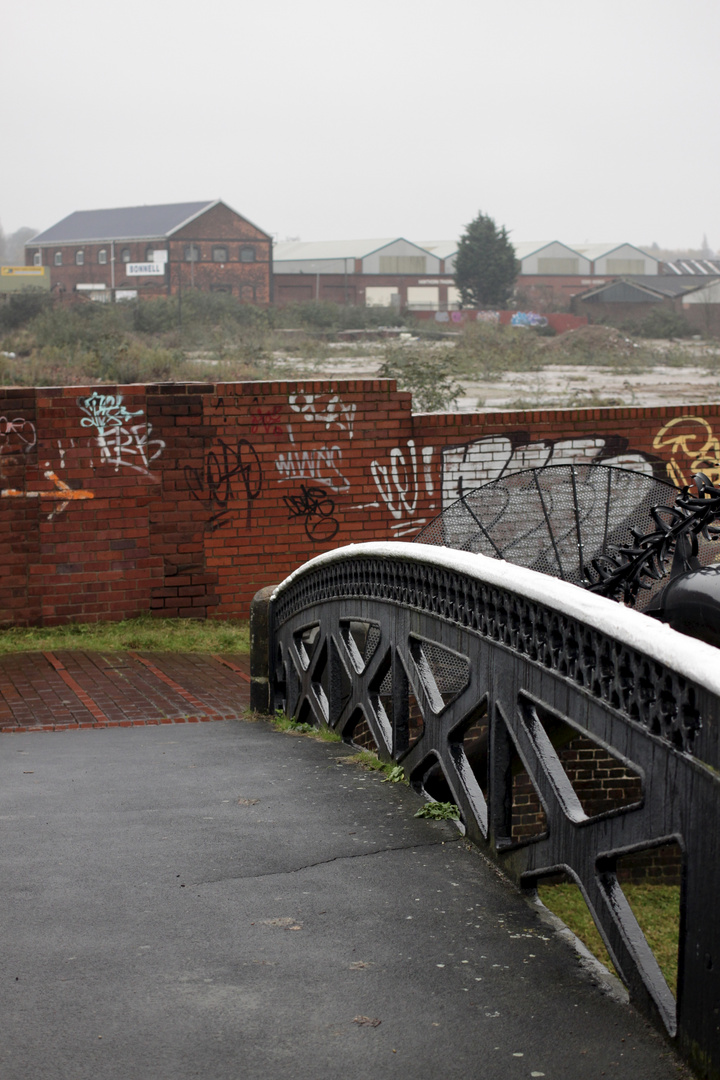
[(469, 672)]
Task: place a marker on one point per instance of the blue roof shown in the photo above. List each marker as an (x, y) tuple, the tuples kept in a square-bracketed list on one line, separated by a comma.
[(124, 223)]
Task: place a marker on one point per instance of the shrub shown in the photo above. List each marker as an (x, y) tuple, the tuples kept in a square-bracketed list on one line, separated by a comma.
[(424, 373), (18, 310), (663, 323)]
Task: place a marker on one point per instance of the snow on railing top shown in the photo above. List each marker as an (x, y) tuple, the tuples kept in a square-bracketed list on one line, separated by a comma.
[(687, 656)]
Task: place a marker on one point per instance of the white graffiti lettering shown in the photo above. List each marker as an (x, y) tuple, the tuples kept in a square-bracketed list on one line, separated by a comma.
[(399, 485), (319, 464), (19, 432), (326, 410), (479, 462), (120, 443)]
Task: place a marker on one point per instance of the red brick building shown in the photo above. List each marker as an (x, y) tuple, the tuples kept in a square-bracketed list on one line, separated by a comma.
[(156, 251)]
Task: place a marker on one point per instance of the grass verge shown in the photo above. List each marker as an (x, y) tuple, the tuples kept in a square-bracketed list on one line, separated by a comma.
[(145, 632), (656, 908)]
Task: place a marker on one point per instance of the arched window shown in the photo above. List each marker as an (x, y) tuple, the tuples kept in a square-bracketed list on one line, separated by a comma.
[(125, 255), (102, 256), (149, 252), (58, 258), (80, 257), (220, 253), (247, 254)]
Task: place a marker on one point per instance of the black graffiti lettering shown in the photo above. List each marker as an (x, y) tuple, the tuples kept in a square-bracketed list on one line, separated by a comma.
[(213, 486), (317, 508)]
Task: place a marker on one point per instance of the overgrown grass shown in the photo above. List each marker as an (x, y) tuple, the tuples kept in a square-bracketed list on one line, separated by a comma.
[(145, 632), (200, 337), (281, 722), (656, 908)]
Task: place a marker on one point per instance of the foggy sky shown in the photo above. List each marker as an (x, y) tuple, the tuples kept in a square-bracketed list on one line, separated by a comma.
[(564, 119)]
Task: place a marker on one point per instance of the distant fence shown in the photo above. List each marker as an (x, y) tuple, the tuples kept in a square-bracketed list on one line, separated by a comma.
[(474, 674)]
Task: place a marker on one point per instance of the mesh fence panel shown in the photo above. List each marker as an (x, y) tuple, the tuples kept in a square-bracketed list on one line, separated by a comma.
[(557, 519)]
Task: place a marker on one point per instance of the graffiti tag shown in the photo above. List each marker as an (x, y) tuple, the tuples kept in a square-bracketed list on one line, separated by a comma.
[(325, 410), (479, 462), (120, 443), (318, 464), (62, 491), (692, 437), (213, 483), (316, 508), (18, 431), (399, 485), (267, 421)]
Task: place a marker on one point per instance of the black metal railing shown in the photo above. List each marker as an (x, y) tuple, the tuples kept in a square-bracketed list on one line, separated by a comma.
[(470, 672)]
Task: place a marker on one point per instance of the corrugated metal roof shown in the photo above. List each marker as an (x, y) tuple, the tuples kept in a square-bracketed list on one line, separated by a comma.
[(596, 251), (697, 267), (123, 223), (644, 283), (441, 249), (328, 249)]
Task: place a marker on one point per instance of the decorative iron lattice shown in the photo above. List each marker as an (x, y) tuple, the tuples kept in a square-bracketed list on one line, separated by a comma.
[(459, 678), (658, 698), (613, 531)]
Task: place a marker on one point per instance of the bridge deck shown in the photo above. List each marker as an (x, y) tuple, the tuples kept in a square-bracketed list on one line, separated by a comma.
[(222, 900)]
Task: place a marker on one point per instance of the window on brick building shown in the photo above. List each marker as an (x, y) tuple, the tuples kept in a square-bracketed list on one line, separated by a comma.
[(192, 253), (80, 257), (247, 254), (102, 256), (37, 259), (220, 253), (125, 254), (149, 254), (58, 258)]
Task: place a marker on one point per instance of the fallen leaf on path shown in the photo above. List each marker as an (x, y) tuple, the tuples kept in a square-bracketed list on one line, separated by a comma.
[(248, 802), (359, 964), (285, 922), (367, 1021)]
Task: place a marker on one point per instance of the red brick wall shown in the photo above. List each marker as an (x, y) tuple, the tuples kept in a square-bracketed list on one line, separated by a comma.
[(186, 500)]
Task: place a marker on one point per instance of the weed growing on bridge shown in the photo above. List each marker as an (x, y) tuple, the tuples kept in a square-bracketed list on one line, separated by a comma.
[(281, 722), (439, 811), (144, 632)]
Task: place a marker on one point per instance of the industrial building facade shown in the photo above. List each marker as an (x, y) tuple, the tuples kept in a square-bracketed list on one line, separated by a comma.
[(146, 251)]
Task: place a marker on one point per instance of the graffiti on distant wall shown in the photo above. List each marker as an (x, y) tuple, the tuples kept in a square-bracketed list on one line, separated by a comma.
[(314, 507), (120, 442), (213, 486), (17, 435), (475, 463), (401, 481), (694, 447), (528, 318)]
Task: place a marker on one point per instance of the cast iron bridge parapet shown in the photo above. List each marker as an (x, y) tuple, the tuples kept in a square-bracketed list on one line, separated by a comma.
[(423, 645)]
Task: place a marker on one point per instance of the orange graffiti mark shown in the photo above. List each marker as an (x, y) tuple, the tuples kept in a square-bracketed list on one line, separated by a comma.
[(62, 492), (691, 438)]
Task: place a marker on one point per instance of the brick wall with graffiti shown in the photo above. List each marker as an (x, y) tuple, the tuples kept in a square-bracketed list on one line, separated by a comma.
[(186, 499)]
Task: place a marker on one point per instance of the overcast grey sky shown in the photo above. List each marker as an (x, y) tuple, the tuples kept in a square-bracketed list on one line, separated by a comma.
[(568, 119)]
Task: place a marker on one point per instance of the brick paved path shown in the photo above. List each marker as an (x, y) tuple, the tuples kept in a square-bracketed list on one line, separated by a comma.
[(45, 691)]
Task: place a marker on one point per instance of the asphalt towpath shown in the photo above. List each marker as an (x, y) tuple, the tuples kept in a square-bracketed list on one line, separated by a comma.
[(221, 900)]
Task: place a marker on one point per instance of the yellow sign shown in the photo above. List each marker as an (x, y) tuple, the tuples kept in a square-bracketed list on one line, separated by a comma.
[(31, 271)]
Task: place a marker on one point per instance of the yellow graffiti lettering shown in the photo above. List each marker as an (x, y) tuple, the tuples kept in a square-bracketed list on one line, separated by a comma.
[(700, 449)]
